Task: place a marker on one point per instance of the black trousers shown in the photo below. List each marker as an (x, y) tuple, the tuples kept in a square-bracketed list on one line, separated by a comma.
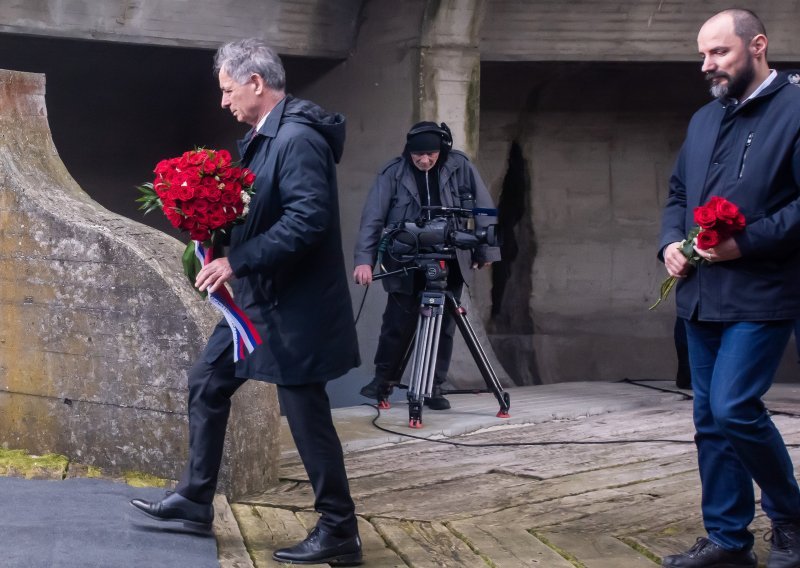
[(398, 329), (308, 412)]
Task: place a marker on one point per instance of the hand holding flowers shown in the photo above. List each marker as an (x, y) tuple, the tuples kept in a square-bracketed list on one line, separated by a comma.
[(710, 241), (201, 192)]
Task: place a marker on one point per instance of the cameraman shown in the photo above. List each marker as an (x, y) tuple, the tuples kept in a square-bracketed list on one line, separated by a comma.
[(428, 173)]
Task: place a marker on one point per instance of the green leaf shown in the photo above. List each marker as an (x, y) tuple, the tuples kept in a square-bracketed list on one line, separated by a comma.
[(666, 288), (191, 266)]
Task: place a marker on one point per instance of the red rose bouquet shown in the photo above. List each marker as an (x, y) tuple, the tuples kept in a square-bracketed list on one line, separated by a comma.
[(717, 220), (203, 193), (200, 192)]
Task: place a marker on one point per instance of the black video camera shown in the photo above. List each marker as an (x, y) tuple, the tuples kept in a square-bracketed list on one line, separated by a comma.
[(438, 233)]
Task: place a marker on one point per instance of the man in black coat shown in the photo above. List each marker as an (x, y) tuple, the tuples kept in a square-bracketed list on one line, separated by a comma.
[(741, 301), (286, 268)]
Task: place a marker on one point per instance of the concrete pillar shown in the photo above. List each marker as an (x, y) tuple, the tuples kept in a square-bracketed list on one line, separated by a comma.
[(450, 64), (97, 325)]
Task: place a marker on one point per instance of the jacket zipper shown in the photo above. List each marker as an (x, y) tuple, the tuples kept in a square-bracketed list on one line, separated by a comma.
[(744, 155), (428, 190)]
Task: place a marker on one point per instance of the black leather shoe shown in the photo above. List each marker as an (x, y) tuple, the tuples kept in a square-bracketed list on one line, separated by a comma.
[(176, 510), (436, 400), (785, 551), (377, 389), (706, 554), (321, 547)]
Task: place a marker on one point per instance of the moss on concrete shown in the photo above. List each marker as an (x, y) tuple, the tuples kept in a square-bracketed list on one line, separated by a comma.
[(560, 551), (19, 463), (140, 479), (638, 547)]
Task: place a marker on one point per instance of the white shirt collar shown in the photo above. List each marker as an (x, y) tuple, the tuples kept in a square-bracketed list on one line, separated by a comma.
[(261, 122)]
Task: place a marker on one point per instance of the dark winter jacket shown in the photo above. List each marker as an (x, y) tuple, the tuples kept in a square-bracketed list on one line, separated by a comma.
[(750, 155), (394, 198), (287, 255)]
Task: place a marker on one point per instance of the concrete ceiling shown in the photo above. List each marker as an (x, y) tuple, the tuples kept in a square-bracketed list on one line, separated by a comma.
[(318, 28)]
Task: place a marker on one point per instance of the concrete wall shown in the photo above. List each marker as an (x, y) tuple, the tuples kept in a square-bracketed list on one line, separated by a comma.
[(90, 367), (302, 27), (610, 30), (381, 91), (599, 151)]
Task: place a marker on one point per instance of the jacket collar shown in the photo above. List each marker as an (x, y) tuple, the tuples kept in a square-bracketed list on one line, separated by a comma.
[(780, 81), (268, 129)]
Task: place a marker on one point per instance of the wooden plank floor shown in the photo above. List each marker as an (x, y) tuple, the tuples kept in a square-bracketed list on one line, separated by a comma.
[(512, 495)]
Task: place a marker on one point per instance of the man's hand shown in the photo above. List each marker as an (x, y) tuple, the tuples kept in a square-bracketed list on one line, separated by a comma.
[(479, 265), (726, 250), (677, 264), (363, 274), (213, 275)]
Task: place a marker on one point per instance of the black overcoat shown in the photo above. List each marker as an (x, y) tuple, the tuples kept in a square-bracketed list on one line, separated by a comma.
[(287, 255)]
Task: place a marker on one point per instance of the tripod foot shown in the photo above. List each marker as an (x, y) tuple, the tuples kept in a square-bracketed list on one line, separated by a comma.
[(415, 423), (384, 404)]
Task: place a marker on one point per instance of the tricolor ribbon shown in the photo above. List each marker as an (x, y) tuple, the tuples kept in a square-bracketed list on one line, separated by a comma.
[(245, 334)]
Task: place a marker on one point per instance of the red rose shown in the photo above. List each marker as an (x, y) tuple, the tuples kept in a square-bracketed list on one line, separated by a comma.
[(200, 206), (708, 238), (738, 223), (217, 219), (230, 196), (173, 217), (249, 179), (705, 216), (188, 208), (726, 211), (186, 192), (212, 193), (163, 167), (223, 158), (199, 234)]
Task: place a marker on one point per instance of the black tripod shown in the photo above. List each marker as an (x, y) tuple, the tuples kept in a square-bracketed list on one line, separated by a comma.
[(424, 347)]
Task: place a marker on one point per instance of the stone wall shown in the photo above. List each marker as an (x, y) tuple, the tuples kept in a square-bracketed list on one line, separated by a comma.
[(98, 323)]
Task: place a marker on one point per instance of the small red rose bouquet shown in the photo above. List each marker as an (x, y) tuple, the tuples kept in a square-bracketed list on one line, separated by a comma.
[(717, 220), (204, 193)]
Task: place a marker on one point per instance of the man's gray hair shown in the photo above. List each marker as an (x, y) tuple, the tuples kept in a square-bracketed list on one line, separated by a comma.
[(240, 59)]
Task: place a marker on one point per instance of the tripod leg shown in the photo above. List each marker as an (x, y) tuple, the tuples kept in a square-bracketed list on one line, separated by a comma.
[(423, 358), (479, 355)]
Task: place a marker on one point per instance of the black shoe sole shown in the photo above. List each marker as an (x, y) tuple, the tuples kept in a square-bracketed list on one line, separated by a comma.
[(354, 559)]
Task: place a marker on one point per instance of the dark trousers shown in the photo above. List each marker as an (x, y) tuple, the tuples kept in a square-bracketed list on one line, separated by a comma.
[(733, 365), (307, 410), (397, 332)]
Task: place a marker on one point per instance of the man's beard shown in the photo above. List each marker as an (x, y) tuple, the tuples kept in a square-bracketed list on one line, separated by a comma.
[(735, 86)]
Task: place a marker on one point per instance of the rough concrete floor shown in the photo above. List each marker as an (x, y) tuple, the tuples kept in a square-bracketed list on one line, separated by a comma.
[(532, 501)]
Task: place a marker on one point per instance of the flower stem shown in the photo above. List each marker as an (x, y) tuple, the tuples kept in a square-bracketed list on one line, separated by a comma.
[(666, 287)]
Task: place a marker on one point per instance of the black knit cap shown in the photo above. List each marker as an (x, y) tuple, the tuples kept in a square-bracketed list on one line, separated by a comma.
[(429, 141)]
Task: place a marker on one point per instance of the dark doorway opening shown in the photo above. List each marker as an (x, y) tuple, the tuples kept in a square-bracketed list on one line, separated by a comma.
[(116, 109)]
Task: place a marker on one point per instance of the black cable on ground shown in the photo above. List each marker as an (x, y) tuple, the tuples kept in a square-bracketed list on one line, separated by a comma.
[(517, 444), (565, 442), (690, 397)]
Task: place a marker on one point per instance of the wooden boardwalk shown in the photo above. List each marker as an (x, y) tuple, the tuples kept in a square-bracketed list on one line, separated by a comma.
[(509, 496)]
